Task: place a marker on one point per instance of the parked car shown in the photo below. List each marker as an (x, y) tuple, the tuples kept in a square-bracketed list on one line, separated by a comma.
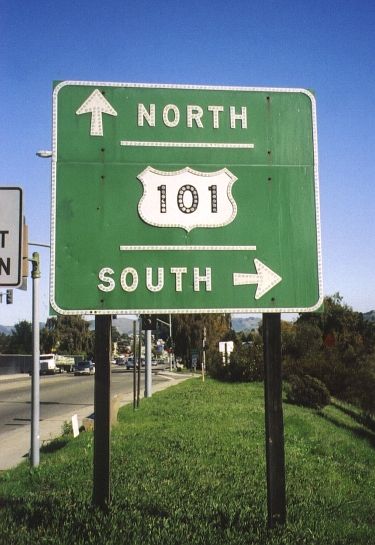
[(120, 361), (84, 368), (130, 363)]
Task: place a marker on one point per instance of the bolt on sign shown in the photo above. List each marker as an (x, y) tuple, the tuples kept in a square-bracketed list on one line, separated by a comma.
[(171, 198), (11, 236)]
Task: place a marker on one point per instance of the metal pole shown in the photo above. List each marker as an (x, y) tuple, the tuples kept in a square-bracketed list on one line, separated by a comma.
[(139, 371), (148, 370), (275, 458), (135, 367), (102, 408), (204, 354), (139, 359), (171, 353), (171, 347), (35, 379)]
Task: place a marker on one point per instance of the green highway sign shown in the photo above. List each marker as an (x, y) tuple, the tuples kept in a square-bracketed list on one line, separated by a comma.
[(172, 199)]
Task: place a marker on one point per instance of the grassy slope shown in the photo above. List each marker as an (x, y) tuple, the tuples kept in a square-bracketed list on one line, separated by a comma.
[(189, 468)]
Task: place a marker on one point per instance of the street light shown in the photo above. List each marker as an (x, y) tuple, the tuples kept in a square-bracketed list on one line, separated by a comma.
[(35, 383), (45, 154)]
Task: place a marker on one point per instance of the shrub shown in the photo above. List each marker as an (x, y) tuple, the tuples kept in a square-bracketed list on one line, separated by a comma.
[(362, 387), (307, 391), (67, 428), (245, 364)]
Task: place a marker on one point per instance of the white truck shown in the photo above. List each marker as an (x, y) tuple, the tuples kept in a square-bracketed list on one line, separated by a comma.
[(51, 364)]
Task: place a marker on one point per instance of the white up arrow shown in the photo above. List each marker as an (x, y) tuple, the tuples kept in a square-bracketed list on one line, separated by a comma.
[(98, 105), (265, 278)]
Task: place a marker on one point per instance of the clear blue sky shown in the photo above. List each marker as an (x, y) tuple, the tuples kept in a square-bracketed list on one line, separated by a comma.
[(320, 45)]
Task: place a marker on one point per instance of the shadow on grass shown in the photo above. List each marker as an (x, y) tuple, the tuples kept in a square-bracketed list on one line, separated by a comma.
[(54, 445), (33, 513), (360, 433), (43, 518), (363, 420)]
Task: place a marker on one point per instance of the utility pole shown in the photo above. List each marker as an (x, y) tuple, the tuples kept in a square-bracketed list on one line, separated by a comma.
[(135, 366), (171, 353), (148, 370), (171, 348), (139, 360), (35, 380), (204, 354), (148, 324)]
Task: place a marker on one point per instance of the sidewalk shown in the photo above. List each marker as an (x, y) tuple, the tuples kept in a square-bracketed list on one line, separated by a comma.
[(15, 445), (7, 378)]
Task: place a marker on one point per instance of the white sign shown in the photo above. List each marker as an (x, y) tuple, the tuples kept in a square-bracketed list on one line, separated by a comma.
[(187, 198), (226, 346), (10, 236), (75, 425)]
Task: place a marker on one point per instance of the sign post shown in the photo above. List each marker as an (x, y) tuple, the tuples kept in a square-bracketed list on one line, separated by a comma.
[(102, 403), (189, 199), (275, 458)]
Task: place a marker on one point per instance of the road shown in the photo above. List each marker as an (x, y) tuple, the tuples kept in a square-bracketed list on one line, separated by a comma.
[(61, 396)]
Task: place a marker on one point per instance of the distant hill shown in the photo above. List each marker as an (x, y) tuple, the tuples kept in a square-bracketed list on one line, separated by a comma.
[(7, 329), (369, 316), (123, 325), (245, 324)]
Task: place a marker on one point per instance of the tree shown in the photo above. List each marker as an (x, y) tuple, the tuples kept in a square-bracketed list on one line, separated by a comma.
[(124, 343), (306, 341), (188, 333), (244, 364), (67, 335), (4, 343), (337, 347), (342, 328), (21, 338), (115, 334)]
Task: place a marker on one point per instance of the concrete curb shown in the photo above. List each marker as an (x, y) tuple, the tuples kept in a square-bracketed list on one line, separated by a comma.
[(13, 378)]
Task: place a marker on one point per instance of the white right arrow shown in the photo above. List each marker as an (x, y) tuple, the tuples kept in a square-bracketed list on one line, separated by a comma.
[(265, 278), (97, 105)]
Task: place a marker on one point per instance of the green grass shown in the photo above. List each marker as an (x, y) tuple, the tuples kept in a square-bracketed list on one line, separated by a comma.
[(188, 467)]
